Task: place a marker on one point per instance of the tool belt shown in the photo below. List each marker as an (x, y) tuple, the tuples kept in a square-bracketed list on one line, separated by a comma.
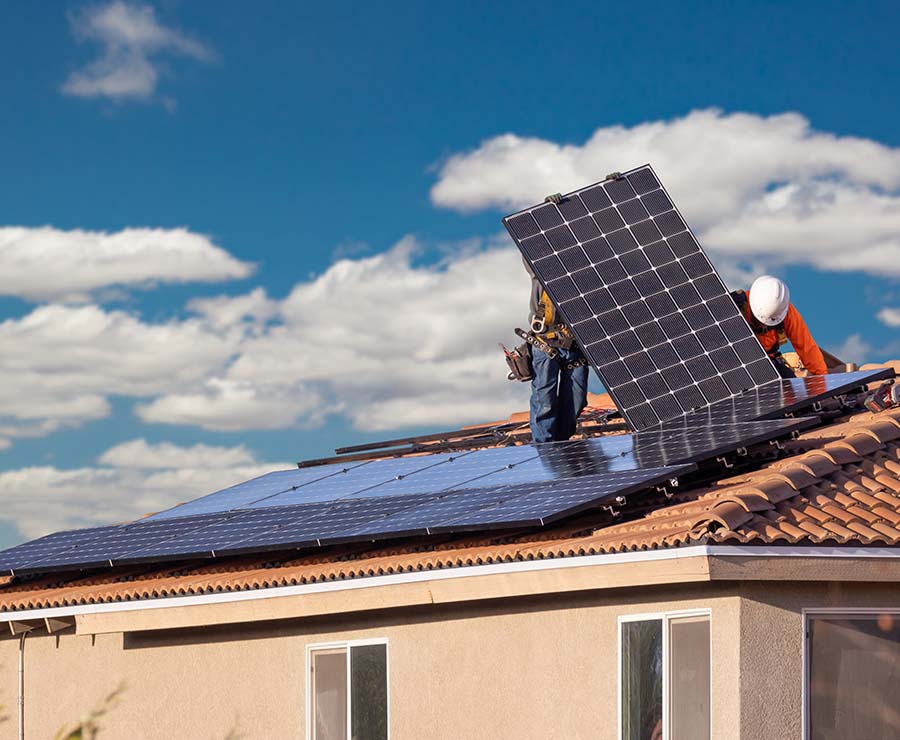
[(519, 360)]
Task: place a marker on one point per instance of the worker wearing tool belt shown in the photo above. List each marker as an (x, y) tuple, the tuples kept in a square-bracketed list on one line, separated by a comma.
[(768, 309), (559, 383)]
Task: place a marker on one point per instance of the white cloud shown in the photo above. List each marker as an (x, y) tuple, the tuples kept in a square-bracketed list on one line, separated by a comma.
[(889, 316), (855, 349), (761, 191), (50, 264), (141, 455), (133, 479), (254, 308), (61, 363), (381, 340), (226, 405), (133, 44)]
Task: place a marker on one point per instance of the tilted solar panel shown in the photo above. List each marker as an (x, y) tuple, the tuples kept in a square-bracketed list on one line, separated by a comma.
[(646, 305)]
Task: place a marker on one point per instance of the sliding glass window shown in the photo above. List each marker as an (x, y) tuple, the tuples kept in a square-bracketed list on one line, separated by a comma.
[(665, 677), (853, 675), (348, 697)]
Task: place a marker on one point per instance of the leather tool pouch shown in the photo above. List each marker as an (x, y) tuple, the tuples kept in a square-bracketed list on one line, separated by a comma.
[(519, 363)]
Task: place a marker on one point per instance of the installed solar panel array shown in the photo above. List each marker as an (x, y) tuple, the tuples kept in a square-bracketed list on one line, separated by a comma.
[(529, 485), (650, 311), (505, 498)]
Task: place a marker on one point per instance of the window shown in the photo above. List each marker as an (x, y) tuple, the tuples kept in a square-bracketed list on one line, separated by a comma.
[(853, 675), (664, 680), (348, 696)]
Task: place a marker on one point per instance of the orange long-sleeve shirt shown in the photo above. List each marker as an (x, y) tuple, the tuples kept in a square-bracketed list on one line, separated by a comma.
[(797, 333)]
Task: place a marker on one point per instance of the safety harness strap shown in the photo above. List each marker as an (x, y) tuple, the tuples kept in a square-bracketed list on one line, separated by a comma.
[(552, 352)]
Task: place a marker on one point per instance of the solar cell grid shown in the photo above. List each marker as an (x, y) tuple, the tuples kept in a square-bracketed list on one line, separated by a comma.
[(117, 541), (633, 291), (16, 558), (248, 492), (536, 504)]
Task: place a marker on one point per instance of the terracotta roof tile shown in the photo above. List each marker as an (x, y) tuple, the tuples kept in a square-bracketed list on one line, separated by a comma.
[(840, 485)]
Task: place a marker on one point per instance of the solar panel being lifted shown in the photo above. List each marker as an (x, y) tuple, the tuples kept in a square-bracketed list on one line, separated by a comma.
[(644, 302)]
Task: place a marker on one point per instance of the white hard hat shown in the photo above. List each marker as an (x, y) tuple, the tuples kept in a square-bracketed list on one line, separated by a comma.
[(769, 299)]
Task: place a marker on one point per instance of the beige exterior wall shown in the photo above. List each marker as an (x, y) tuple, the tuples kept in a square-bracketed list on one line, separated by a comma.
[(772, 647), (526, 668)]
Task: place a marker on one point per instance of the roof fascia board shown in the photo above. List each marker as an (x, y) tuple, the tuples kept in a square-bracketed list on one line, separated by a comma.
[(553, 575)]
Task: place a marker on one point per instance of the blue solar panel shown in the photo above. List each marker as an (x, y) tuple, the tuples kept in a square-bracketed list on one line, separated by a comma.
[(466, 471), (115, 542), (245, 494), (256, 530), (17, 557), (646, 305), (363, 478), (789, 395), (543, 503), (218, 535), (332, 525)]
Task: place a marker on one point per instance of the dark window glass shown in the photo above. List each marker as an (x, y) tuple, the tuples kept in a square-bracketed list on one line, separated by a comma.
[(368, 692), (854, 676), (642, 680)]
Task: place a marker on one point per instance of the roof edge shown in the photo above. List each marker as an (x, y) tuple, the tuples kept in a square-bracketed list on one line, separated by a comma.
[(668, 566)]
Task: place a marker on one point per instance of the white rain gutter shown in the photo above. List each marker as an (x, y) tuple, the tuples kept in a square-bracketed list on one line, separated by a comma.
[(353, 584)]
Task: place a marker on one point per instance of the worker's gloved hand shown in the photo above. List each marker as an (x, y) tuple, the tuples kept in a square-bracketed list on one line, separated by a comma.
[(555, 198)]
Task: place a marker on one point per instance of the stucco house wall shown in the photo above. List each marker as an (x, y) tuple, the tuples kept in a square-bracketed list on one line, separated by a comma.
[(525, 668), (534, 667)]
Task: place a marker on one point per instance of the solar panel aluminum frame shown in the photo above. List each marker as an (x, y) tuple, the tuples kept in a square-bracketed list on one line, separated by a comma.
[(740, 363)]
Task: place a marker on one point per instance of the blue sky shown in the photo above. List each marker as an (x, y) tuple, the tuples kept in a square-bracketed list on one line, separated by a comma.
[(282, 138)]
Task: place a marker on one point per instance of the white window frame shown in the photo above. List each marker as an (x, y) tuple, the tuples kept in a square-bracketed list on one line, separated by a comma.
[(807, 612), (344, 645), (665, 618)]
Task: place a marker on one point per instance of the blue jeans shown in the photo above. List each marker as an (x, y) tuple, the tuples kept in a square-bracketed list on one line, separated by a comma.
[(558, 395)]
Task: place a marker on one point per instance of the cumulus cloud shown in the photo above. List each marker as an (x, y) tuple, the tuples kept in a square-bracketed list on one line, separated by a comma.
[(382, 340), (50, 264), (133, 47), (889, 316), (141, 455), (760, 191), (131, 479), (254, 308), (225, 405), (61, 363), (387, 341)]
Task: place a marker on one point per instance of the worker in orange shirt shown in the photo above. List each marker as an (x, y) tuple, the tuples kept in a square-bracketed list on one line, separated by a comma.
[(768, 309)]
